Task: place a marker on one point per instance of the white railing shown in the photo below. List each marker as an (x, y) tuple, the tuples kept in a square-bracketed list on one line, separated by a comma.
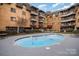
[(66, 20), (35, 13), (42, 15), (67, 14), (33, 19), (70, 24)]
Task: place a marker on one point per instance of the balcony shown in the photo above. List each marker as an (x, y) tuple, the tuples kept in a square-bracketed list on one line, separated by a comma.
[(69, 24), (67, 14), (33, 19), (67, 20), (28, 9), (34, 13), (20, 5), (42, 15), (33, 24), (27, 6), (41, 20), (34, 10)]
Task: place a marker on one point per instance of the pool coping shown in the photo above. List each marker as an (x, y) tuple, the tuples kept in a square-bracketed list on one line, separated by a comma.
[(39, 34)]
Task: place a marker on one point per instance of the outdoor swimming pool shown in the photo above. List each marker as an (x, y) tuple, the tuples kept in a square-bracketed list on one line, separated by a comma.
[(39, 40)]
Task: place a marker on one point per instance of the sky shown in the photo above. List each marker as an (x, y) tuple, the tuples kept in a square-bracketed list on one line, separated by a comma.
[(52, 6)]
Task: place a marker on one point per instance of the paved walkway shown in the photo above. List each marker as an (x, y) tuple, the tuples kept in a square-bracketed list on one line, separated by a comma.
[(68, 47)]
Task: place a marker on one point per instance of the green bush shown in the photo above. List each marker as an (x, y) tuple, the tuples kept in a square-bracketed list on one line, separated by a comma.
[(76, 31)]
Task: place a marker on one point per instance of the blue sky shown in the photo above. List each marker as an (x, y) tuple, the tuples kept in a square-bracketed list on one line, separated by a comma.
[(52, 6)]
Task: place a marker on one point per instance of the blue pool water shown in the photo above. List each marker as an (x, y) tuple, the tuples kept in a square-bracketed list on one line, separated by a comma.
[(39, 40)]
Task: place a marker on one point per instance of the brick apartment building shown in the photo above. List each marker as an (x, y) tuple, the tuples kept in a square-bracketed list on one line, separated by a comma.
[(21, 17), (66, 20)]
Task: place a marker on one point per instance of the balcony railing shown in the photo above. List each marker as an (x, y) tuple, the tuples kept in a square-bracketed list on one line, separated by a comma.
[(20, 5), (33, 12), (42, 15), (33, 24), (70, 24), (32, 19), (67, 14), (67, 20), (41, 20)]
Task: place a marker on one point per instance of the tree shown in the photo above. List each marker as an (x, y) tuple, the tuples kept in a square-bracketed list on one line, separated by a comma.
[(21, 22)]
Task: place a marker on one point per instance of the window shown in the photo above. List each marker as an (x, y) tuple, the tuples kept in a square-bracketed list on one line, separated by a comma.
[(23, 13), (13, 10), (13, 18)]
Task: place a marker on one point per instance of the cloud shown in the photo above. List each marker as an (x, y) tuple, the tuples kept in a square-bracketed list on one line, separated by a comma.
[(67, 6), (41, 6), (55, 5), (64, 6)]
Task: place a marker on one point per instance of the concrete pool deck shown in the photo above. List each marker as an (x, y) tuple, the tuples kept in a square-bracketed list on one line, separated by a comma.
[(68, 47)]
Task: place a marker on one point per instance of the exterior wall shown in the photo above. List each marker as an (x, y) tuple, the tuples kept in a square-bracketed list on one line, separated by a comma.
[(49, 21), (53, 22), (77, 17), (56, 23), (45, 23), (6, 14), (26, 17)]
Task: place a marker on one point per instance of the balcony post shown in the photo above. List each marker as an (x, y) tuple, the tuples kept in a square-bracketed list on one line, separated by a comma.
[(75, 28), (18, 29)]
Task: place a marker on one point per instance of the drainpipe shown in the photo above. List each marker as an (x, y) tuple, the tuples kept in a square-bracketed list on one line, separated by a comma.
[(75, 28)]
